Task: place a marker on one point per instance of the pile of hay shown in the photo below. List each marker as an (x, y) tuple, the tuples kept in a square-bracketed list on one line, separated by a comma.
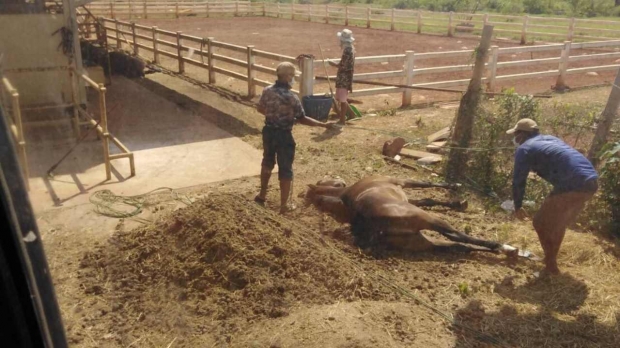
[(220, 259)]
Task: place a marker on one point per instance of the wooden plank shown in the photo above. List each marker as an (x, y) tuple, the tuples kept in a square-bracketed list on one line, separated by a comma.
[(539, 48), (436, 146), (442, 134), (274, 56), (417, 154)]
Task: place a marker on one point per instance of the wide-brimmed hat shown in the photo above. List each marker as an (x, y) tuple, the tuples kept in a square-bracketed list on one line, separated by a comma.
[(525, 125), (346, 36)]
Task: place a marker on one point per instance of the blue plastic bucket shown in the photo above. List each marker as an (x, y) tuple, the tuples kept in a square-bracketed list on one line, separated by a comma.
[(317, 107)]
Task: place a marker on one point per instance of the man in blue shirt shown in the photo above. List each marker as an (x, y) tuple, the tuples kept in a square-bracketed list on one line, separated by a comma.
[(573, 177)]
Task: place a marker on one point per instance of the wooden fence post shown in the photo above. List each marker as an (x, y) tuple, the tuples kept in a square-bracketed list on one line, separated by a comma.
[(210, 59), (309, 13), (392, 21), (155, 45), (180, 53), (571, 29), (485, 19), (293, 10), (326, 14), (278, 14), (251, 85), (236, 8), (130, 10), (493, 68), (103, 122), (208, 9), (118, 34), (560, 84), (419, 22), (526, 20), (307, 77), (136, 49), (409, 62), (145, 14), (346, 15), (450, 25), (176, 9), (264, 10), (606, 121), (112, 15), (466, 116), (368, 17)]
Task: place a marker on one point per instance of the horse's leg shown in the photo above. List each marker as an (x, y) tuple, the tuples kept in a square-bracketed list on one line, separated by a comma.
[(429, 202), (417, 242), (438, 225), (407, 183)]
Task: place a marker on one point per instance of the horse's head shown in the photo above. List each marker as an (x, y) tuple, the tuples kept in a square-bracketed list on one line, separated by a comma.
[(326, 187)]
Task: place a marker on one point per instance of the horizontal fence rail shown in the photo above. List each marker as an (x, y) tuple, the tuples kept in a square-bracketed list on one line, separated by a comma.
[(522, 28), (255, 67)]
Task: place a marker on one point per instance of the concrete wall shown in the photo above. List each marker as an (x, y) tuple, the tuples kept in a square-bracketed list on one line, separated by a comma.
[(26, 43)]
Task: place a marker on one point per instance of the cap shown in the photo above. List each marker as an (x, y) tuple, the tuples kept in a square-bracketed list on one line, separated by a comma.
[(525, 125)]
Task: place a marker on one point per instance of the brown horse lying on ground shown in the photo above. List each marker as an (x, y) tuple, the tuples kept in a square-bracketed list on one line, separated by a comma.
[(381, 213)]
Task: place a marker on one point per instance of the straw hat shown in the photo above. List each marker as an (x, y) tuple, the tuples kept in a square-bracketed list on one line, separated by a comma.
[(346, 36)]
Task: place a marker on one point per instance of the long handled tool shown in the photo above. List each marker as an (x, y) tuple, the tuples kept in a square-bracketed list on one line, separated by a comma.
[(331, 91), (374, 83)]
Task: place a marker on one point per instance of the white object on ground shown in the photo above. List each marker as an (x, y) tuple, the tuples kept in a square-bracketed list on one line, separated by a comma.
[(508, 206), (429, 160), (397, 157)]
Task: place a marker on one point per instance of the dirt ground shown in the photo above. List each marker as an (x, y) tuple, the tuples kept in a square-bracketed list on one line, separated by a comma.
[(224, 272), (291, 38)]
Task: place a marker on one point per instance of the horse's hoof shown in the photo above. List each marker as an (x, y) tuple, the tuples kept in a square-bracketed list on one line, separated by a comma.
[(463, 205)]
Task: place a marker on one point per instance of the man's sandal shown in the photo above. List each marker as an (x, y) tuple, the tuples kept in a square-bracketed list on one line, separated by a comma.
[(260, 201)]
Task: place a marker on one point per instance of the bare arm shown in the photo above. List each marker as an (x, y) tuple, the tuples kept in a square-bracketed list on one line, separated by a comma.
[(260, 109), (312, 122)]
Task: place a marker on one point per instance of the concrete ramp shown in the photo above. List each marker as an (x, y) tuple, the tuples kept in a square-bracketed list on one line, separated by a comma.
[(174, 146)]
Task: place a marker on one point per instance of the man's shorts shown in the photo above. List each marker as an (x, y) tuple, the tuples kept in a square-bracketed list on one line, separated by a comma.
[(342, 94), (278, 144)]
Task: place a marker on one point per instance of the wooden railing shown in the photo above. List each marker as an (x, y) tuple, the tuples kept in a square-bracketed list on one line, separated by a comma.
[(10, 98), (240, 61), (102, 130), (522, 28)]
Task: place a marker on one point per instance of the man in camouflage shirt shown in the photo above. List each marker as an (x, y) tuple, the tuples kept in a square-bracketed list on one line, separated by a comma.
[(344, 79), (282, 109)]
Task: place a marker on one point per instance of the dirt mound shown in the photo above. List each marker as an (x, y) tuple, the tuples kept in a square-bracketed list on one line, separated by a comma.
[(221, 259)]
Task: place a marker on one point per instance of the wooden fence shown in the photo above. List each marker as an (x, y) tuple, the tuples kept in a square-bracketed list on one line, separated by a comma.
[(182, 48), (102, 129), (10, 98), (523, 28)]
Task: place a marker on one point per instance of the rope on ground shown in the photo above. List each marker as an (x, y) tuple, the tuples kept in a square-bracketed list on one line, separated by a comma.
[(377, 277), (116, 206)]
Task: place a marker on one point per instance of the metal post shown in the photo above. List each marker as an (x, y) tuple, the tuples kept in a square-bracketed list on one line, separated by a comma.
[(307, 77)]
